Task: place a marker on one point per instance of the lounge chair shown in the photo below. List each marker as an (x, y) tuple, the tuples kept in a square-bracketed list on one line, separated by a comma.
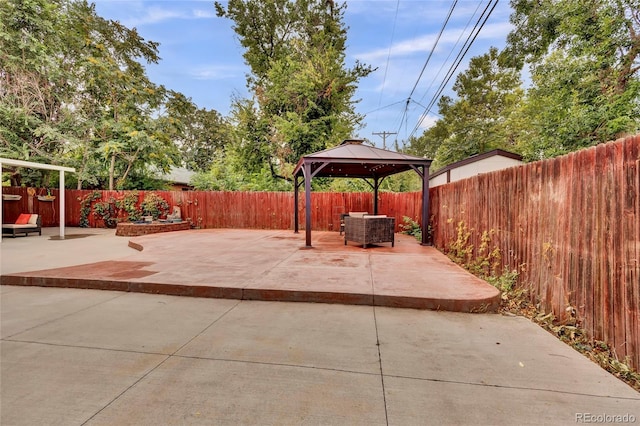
[(25, 224)]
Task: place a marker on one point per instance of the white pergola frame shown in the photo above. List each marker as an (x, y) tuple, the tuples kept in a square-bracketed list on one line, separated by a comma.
[(31, 165)]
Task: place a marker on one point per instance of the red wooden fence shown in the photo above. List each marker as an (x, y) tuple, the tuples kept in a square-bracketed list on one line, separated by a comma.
[(209, 209), (569, 225)]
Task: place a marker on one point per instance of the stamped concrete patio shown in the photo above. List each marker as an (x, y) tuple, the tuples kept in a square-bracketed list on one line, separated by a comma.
[(255, 265)]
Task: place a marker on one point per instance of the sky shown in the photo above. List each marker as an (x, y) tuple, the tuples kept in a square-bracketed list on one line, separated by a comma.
[(201, 56)]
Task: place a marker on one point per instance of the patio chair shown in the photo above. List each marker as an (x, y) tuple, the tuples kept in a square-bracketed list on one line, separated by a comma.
[(25, 224), (353, 214)]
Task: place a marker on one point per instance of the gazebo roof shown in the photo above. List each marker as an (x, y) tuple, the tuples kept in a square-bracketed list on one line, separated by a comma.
[(353, 159)]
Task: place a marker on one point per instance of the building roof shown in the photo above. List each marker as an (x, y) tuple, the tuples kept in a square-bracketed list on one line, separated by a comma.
[(475, 158), (353, 159), (178, 175)]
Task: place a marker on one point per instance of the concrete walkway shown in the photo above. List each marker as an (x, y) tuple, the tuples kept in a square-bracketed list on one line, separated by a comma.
[(249, 265), (70, 356), (74, 357)]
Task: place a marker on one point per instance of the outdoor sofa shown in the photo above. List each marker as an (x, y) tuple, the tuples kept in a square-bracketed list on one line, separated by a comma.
[(25, 224)]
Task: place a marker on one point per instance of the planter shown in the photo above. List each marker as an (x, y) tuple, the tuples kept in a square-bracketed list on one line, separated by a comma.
[(46, 197), (11, 197)]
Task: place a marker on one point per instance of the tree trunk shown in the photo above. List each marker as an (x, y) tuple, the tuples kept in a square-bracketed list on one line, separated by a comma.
[(112, 169)]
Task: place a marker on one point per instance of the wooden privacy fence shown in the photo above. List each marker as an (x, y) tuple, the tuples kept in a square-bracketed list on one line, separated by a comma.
[(243, 210), (569, 225)]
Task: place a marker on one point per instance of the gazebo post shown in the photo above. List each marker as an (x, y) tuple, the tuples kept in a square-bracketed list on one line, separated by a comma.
[(307, 195), (376, 184), (296, 226)]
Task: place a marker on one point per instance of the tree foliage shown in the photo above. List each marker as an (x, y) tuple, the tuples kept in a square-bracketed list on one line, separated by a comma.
[(489, 92), (74, 90), (302, 90), (584, 61), (200, 134)]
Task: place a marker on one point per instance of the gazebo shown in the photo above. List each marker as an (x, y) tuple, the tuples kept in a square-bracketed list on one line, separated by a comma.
[(352, 159)]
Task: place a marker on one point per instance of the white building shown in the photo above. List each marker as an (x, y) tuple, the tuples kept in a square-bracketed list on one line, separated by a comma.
[(475, 165)]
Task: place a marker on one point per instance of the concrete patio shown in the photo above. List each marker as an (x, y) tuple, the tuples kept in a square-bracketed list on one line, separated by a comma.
[(250, 265)]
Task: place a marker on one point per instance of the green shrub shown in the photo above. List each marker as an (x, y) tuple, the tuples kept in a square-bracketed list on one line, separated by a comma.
[(154, 205), (411, 227)]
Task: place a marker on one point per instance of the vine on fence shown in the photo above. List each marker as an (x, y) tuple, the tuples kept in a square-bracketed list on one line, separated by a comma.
[(113, 210), (129, 205), (105, 210), (85, 207), (154, 205)]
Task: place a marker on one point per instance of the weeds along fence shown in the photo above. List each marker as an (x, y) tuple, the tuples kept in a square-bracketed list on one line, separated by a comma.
[(569, 226)]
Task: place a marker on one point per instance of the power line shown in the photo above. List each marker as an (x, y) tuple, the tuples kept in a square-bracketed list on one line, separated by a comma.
[(433, 48), (435, 43), (386, 67), (451, 51), (386, 106), (457, 61)]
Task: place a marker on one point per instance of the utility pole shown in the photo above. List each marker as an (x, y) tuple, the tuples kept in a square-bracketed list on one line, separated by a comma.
[(384, 137)]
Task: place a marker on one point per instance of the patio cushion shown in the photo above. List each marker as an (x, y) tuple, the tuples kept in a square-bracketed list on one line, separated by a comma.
[(23, 219), (33, 220)]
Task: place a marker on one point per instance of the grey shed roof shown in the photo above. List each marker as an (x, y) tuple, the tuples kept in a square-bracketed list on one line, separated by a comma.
[(353, 159), (178, 175)]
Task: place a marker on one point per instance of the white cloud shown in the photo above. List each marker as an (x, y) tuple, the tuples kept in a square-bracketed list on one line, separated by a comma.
[(427, 121), (203, 14), (153, 15), (424, 43), (215, 72), (156, 15)]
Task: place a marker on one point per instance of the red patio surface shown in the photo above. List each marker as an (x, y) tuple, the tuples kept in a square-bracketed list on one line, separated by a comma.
[(275, 266)]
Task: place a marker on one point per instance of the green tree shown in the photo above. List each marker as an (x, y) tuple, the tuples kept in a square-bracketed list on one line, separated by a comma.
[(584, 60), (33, 88), (302, 89), (200, 134), (488, 93), (74, 90)]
